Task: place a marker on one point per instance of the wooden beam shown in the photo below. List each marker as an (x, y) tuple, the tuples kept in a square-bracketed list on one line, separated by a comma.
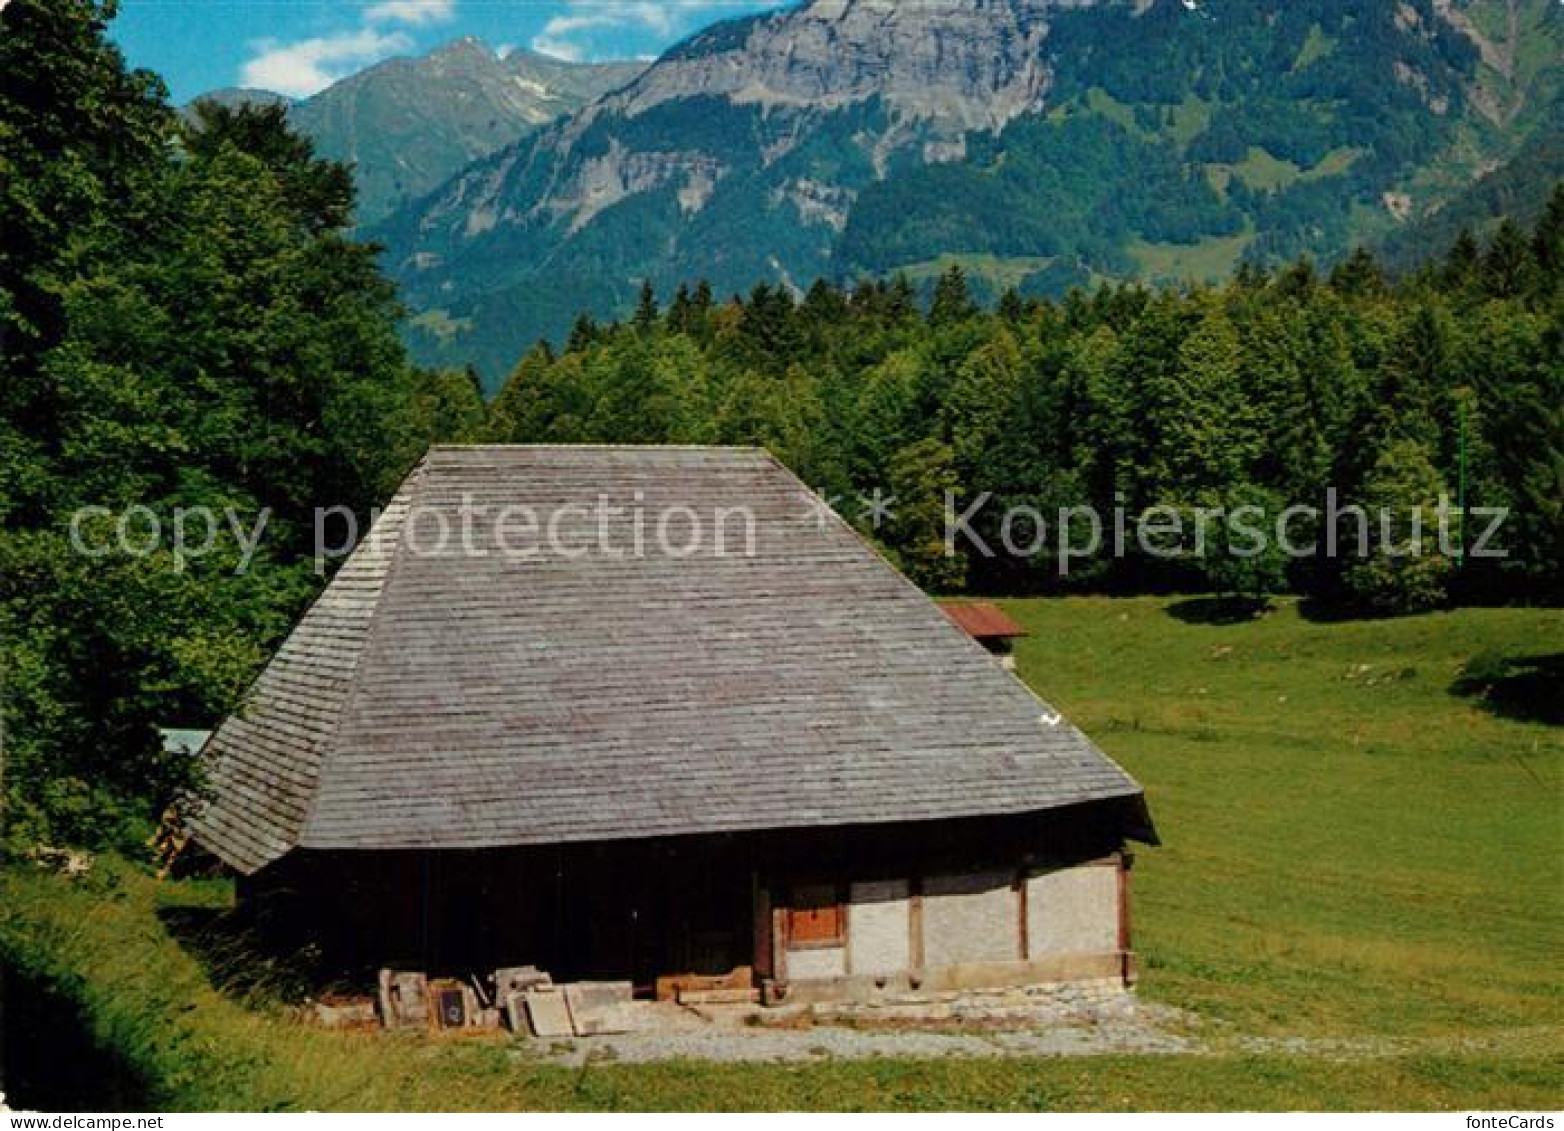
[(1021, 914), (779, 944), (765, 955), (1124, 860)]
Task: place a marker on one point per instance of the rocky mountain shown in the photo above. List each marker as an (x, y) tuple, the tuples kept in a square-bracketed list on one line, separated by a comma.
[(1042, 143), (1516, 190), (408, 124)]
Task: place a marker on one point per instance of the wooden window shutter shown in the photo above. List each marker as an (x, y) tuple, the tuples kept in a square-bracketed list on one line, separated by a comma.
[(816, 917)]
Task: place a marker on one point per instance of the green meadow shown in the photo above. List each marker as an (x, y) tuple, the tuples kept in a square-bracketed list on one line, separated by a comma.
[(1360, 893)]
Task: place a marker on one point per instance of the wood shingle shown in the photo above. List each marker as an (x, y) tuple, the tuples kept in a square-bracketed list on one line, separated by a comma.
[(459, 696)]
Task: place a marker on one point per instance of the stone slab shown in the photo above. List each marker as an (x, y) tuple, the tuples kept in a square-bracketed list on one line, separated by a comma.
[(404, 999), (514, 979), (597, 1007), (548, 1015), (358, 1014)]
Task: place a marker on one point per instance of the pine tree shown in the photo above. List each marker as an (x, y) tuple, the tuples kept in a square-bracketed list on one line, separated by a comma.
[(1462, 264), (1203, 429), (1298, 280), (823, 306), (1251, 276), (1547, 244), (583, 333), (703, 300), (1292, 455), (1508, 267), (646, 312), (681, 311), (447, 407), (901, 301), (1414, 379), (1358, 275), (772, 338), (951, 302)]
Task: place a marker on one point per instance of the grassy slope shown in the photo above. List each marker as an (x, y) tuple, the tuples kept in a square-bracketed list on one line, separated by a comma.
[(1210, 259), (1347, 850), (1350, 853)]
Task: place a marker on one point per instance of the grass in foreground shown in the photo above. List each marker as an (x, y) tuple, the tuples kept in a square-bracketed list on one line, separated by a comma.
[(1352, 850)]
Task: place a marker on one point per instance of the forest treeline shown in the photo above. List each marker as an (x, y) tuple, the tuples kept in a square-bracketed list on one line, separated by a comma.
[(1267, 393), (186, 321)]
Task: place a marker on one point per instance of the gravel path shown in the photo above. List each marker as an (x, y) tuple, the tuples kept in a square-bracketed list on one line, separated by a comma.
[(1060, 1021), (1051, 1021)]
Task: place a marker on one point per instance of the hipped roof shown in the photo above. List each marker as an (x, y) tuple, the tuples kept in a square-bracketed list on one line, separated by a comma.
[(461, 697)]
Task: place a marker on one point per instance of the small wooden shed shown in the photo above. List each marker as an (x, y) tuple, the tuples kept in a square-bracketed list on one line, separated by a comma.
[(989, 625), (639, 760)]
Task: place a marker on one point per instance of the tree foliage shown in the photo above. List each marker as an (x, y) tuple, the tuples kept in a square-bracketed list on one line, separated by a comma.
[(1262, 394), (184, 324)]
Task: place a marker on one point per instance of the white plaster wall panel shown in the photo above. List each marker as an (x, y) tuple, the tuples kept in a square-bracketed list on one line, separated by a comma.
[(817, 962), (970, 918), (879, 927), (1073, 911)]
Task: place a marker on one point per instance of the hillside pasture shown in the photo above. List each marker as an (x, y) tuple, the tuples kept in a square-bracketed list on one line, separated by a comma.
[(1360, 894)]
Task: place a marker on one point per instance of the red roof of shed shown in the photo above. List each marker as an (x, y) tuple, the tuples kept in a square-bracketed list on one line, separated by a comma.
[(983, 621)]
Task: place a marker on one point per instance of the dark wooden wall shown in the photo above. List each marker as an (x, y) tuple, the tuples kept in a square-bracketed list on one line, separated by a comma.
[(632, 909)]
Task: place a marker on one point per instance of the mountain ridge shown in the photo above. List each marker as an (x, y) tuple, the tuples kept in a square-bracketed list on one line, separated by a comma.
[(408, 123), (1069, 140)]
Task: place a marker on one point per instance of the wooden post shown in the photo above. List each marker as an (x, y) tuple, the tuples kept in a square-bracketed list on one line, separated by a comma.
[(915, 922), (779, 944), (1021, 933), (1127, 971), (1123, 861), (765, 954)]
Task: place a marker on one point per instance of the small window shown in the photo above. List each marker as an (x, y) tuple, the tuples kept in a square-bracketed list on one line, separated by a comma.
[(816, 917)]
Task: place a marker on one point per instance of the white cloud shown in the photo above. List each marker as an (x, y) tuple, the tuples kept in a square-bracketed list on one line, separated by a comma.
[(545, 44), (415, 12), (306, 66), (578, 34)]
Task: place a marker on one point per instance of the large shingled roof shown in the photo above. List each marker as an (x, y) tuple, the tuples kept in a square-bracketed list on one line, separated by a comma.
[(461, 697)]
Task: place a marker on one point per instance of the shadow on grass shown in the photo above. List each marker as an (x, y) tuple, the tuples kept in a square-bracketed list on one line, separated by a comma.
[(1319, 610), (50, 1059), (1526, 688), (236, 958), (1218, 610)]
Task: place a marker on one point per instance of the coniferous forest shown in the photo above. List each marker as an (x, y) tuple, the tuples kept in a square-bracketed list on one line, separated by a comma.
[(187, 320)]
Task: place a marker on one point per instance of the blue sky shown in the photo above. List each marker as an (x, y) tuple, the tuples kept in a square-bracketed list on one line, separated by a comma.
[(298, 46)]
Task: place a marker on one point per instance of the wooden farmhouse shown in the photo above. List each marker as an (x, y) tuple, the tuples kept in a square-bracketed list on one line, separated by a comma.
[(614, 758)]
